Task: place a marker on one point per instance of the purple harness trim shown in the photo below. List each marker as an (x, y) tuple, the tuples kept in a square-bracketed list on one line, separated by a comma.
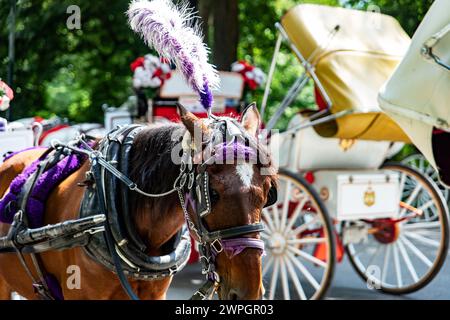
[(235, 246), (54, 286), (35, 208), (9, 156), (234, 151), (43, 187), (189, 201)]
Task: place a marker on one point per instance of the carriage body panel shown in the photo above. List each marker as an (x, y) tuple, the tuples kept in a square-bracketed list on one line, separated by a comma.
[(15, 140), (353, 195), (306, 150)]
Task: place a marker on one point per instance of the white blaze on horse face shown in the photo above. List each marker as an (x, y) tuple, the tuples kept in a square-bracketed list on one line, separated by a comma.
[(245, 172)]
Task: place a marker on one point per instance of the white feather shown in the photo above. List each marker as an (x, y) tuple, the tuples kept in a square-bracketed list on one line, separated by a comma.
[(173, 22)]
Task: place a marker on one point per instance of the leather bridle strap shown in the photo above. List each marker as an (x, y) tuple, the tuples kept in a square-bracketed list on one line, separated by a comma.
[(235, 246), (110, 243), (232, 232), (206, 291)]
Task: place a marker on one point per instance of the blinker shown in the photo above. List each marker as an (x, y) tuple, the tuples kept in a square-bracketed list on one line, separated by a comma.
[(272, 197)]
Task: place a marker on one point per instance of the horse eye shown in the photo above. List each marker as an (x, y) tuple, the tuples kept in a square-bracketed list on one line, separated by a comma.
[(214, 196)]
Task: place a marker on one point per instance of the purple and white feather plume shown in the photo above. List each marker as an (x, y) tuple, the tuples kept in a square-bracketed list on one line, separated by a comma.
[(168, 29)]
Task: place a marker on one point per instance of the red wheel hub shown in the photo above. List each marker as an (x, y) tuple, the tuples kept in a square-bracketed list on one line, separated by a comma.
[(386, 230)]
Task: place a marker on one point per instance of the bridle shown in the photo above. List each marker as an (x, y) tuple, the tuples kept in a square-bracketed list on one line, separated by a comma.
[(194, 192), (192, 187)]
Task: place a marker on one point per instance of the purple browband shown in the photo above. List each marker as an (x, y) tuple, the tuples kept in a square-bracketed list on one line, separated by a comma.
[(235, 246), (233, 151)]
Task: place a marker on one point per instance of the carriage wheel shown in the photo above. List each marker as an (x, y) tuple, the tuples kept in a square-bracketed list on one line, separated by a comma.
[(419, 162), (299, 239), (403, 255)]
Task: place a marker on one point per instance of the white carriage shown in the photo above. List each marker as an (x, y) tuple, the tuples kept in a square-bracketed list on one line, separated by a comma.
[(337, 193), (15, 137)]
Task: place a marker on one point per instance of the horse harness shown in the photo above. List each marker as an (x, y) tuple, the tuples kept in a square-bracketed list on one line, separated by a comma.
[(105, 229)]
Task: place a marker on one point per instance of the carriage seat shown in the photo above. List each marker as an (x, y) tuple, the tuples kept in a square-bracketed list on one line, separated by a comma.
[(352, 65)]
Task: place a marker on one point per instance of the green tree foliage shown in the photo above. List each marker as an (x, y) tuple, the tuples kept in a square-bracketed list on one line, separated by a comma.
[(72, 73), (408, 12)]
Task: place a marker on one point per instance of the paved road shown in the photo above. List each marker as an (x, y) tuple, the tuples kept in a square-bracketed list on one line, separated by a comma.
[(346, 285)]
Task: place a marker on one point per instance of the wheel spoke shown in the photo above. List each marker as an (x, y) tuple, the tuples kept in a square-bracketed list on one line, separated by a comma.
[(426, 205), (416, 251), (286, 202), (387, 255), (294, 277), (268, 220), (276, 216), (295, 214), (398, 270), (421, 164), (307, 241), (374, 255), (421, 225), (304, 271), (411, 198), (267, 266), (307, 256), (422, 239), (304, 226), (273, 282), (284, 280), (409, 265)]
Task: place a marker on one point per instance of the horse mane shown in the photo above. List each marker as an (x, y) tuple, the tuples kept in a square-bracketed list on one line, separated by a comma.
[(152, 168)]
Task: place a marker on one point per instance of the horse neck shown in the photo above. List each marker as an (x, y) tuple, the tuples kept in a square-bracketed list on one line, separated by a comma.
[(157, 220)]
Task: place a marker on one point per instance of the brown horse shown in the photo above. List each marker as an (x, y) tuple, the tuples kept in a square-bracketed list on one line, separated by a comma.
[(239, 196)]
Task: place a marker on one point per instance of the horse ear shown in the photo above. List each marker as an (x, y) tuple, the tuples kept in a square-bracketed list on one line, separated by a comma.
[(251, 119), (190, 121)]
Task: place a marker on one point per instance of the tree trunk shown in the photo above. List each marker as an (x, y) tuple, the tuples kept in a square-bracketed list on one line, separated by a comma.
[(226, 33), (204, 11)]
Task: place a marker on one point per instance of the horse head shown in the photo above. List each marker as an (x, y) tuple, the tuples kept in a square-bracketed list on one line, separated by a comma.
[(241, 181)]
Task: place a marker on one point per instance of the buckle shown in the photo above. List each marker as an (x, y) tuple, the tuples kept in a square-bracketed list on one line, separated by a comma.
[(215, 278), (217, 246), (206, 265), (183, 180), (191, 180), (173, 271)]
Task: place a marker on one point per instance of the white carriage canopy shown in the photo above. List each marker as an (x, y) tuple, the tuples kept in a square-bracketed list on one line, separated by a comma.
[(417, 95), (352, 65)]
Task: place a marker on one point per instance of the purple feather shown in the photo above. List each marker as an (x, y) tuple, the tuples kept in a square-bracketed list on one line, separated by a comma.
[(169, 31)]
